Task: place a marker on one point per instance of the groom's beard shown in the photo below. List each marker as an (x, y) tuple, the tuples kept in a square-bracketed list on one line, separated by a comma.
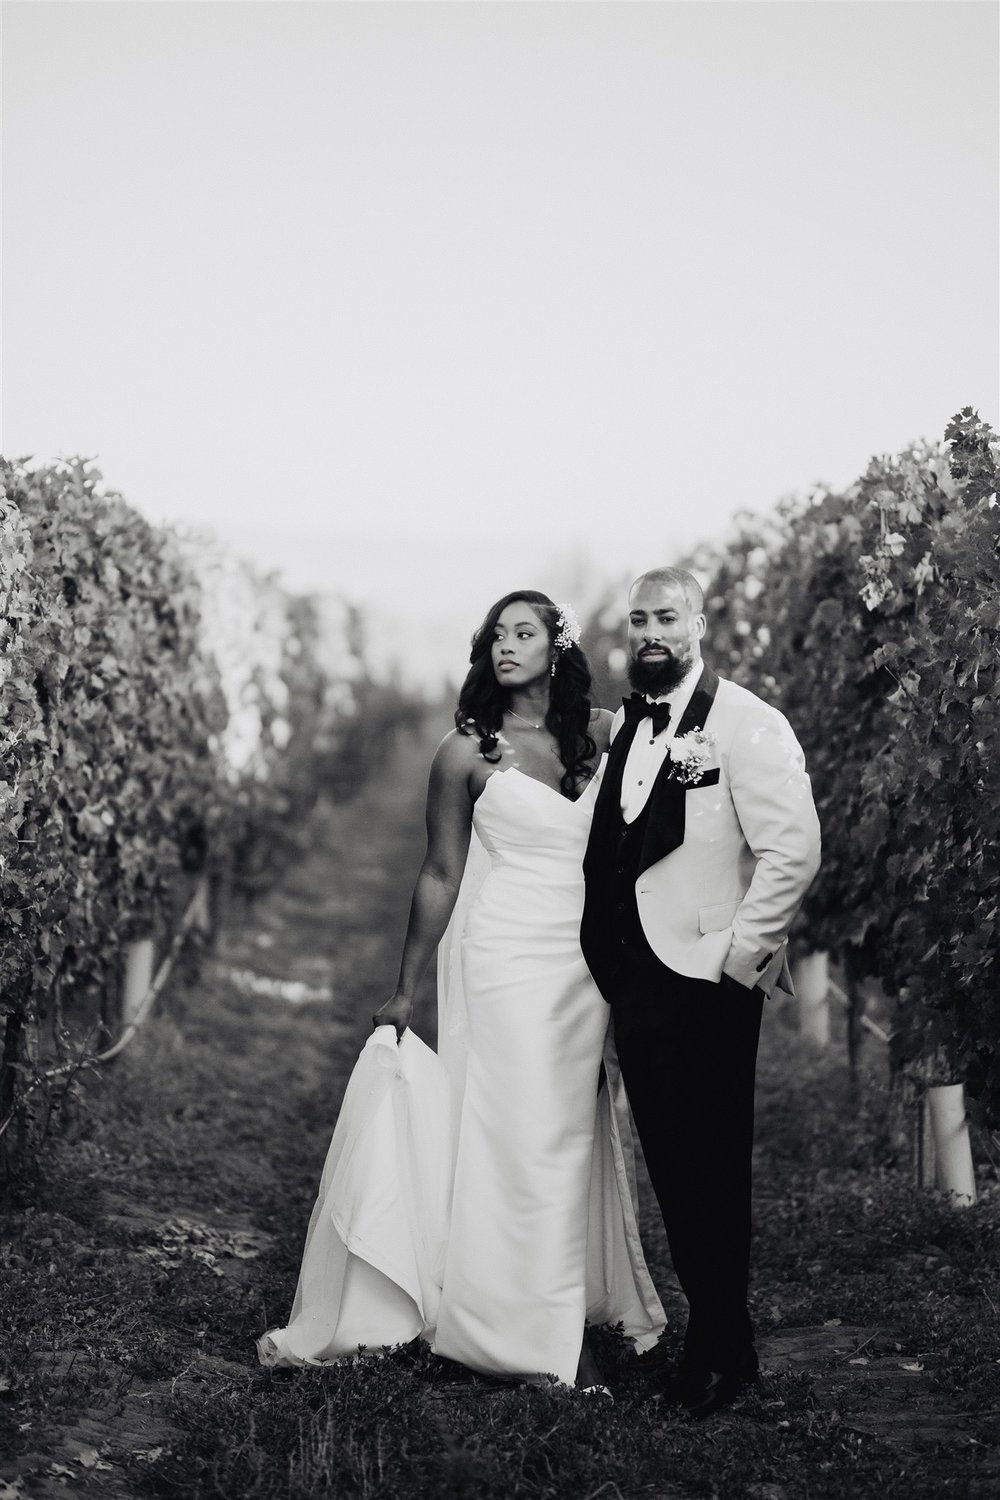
[(656, 677)]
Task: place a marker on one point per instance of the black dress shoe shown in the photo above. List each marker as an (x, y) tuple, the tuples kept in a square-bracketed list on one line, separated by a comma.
[(701, 1391), (673, 1382), (657, 1364), (666, 1386)]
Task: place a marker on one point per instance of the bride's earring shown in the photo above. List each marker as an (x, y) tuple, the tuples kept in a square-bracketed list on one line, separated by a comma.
[(552, 673)]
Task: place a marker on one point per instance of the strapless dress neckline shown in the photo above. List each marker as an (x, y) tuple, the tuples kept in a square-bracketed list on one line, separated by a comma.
[(572, 801)]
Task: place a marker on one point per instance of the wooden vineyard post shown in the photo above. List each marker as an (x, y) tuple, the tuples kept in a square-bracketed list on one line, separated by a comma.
[(924, 1162), (201, 917), (945, 1104), (811, 977), (138, 977), (11, 1141), (219, 901), (855, 1004)]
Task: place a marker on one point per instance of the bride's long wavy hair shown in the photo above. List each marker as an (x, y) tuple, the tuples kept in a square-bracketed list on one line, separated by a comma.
[(483, 700)]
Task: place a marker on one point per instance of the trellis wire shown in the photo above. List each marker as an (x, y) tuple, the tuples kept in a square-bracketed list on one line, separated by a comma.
[(194, 909)]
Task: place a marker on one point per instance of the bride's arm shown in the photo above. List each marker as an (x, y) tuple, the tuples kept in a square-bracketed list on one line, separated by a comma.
[(449, 821), (601, 721)]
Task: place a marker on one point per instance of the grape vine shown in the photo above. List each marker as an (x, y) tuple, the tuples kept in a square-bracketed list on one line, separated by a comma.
[(872, 619), (166, 709)]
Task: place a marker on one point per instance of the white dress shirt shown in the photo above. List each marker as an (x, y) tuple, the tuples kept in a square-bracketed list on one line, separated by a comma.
[(646, 753)]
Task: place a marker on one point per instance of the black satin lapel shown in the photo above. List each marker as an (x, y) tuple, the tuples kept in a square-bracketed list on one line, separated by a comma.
[(608, 802), (702, 698), (668, 799)]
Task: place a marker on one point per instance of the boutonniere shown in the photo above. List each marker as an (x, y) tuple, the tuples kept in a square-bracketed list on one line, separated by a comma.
[(689, 756)]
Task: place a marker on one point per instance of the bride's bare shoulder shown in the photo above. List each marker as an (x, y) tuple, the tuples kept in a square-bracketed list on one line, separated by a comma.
[(601, 720), (457, 754)]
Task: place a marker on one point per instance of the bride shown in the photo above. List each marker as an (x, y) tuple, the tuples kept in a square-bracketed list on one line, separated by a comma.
[(484, 1198)]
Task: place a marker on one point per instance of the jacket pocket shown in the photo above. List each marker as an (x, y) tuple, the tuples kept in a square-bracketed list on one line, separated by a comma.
[(715, 918), (709, 778)]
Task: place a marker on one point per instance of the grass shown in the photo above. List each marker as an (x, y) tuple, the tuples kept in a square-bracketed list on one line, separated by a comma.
[(160, 1234)]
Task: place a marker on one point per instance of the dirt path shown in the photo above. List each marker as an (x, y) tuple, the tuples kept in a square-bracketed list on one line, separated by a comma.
[(167, 1235)]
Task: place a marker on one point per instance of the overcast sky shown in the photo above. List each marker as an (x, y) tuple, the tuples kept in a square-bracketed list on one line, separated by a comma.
[(428, 301)]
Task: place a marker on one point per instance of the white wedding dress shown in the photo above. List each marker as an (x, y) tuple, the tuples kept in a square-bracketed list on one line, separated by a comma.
[(484, 1198)]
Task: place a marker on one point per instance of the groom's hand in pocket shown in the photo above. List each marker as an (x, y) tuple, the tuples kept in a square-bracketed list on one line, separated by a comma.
[(733, 987)]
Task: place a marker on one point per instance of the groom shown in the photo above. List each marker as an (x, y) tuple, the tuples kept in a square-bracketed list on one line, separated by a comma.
[(704, 842)]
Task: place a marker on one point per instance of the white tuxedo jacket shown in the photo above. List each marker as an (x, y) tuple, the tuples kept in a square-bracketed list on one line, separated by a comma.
[(723, 900)]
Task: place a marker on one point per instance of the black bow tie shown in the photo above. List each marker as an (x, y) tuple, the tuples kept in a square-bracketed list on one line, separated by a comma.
[(638, 707)]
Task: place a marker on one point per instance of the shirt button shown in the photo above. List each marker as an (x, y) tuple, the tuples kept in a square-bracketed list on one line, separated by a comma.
[(640, 783)]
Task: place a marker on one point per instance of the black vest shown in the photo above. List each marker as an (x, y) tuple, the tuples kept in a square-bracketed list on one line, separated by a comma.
[(618, 852), (625, 868)]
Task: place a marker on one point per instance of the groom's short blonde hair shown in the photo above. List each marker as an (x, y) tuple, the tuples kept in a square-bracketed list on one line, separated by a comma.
[(677, 578)]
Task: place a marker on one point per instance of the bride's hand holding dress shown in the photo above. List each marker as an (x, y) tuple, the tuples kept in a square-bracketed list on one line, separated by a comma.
[(397, 1012)]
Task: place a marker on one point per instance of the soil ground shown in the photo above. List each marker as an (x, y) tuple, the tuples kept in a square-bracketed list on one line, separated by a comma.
[(162, 1231)]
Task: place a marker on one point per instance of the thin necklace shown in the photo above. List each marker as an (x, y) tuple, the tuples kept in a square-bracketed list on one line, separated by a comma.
[(524, 720)]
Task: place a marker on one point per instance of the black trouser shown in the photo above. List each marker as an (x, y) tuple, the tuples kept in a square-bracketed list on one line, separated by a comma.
[(688, 1053)]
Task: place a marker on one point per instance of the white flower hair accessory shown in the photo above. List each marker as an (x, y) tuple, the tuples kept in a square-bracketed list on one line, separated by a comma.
[(569, 628)]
